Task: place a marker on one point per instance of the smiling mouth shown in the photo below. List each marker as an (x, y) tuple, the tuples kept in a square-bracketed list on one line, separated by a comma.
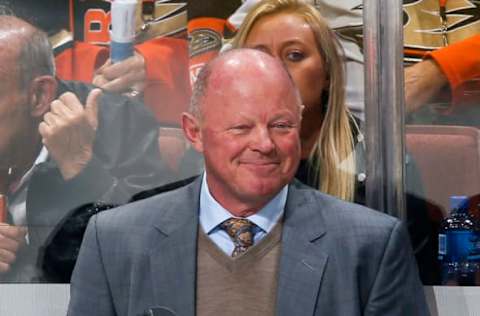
[(259, 168), (260, 163)]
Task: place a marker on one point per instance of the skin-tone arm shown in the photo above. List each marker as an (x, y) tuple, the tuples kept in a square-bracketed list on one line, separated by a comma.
[(68, 132), (422, 82), (122, 77)]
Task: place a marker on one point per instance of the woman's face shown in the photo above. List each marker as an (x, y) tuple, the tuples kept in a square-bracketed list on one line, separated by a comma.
[(288, 37)]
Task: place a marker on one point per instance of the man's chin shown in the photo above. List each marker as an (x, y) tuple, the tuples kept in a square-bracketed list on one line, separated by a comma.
[(264, 187)]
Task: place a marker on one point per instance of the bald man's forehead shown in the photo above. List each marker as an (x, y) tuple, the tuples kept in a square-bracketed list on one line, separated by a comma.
[(9, 54), (13, 34), (14, 29), (234, 73), (224, 90)]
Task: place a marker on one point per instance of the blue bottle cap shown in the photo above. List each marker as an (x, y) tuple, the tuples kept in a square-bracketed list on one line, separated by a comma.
[(459, 202)]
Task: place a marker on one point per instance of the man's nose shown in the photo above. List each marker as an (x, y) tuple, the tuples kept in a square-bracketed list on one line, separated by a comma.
[(262, 141)]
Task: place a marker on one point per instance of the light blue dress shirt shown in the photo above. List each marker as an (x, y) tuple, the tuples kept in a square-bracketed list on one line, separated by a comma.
[(212, 214)]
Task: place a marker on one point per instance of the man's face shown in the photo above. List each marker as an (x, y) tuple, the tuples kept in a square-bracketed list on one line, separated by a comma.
[(250, 139), (15, 119)]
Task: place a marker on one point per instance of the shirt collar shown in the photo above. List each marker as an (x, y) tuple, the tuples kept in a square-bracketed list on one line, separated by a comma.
[(41, 158), (212, 213)]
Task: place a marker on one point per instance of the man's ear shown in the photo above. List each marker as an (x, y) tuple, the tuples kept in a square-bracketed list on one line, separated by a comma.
[(191, 128), (42, 92)]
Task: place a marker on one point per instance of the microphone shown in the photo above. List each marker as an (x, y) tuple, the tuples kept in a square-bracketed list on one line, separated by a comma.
[(159, 311)]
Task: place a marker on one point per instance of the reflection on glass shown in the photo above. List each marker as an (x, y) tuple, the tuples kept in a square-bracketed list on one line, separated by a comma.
[(443, 129), (70, 151)]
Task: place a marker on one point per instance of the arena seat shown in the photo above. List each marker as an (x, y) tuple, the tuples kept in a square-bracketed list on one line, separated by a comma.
[(449, 161)]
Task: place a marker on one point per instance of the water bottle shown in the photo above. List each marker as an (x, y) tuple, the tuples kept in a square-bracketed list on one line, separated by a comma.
[(458, 249), (123, 29)]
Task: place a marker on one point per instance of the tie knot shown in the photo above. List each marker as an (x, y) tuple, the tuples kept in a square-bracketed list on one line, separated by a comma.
[(241, 232)]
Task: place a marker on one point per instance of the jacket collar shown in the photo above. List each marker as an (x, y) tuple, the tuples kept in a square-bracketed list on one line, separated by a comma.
[(173, 262), (303, 261)]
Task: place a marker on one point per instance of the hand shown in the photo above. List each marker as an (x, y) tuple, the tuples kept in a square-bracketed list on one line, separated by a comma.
[(68, 131), (12, 238), (126, 77), (422, 82)]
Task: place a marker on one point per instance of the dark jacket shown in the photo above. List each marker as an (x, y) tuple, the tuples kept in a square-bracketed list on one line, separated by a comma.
[(126, 161)]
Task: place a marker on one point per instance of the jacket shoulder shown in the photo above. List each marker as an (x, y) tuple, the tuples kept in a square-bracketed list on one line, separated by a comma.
[(342, 214), (152, 207)]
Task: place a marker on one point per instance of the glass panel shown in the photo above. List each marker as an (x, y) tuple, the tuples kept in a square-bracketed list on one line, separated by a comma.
[(85, 152), (443, 117), (125, 150), (387, 166)]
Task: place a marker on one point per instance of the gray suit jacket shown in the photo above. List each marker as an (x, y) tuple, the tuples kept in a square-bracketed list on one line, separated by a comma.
[(337, 259)]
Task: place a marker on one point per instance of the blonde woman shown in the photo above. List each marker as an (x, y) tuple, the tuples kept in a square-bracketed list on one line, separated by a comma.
[(332, 144)]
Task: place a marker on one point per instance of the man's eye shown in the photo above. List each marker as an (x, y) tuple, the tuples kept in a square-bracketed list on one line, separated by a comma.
[(239, 129), (295, 56), (282, 126)]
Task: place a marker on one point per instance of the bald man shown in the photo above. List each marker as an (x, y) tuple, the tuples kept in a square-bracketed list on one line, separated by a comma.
[(245, 238), (59, 152)]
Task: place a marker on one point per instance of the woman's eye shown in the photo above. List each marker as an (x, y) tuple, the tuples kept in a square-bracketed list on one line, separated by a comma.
[(295, 56)]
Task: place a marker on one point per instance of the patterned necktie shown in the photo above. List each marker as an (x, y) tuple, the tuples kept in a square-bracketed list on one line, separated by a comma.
[(241, 231)]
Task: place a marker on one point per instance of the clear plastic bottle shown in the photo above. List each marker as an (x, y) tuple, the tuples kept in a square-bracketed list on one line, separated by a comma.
[(458, 245), (123, 29)]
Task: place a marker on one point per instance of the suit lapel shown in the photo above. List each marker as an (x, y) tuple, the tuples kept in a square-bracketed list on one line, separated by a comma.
[(302, 261), (173, 262)]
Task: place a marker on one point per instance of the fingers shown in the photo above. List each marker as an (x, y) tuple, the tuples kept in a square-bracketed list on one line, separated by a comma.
[(4, 267), (11, 232), (99, 81), (57, 107), (121, 76), (123, 83), (11, 239), (6, 260), (68, 111), (105, 65), (70, 101), (132, 64), (51, 119), (68, 132), (98, 78), (65, 108), (91, 107)]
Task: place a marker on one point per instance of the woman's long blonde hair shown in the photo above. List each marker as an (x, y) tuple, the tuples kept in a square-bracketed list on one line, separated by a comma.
[(333, 157)]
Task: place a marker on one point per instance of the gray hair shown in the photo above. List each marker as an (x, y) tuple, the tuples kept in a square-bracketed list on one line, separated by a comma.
[(35, 58), (199, 90)]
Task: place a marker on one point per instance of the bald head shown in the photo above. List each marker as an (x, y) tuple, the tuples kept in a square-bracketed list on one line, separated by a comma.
[(247, 128), (13, 27), (25, 49), (236, 71)]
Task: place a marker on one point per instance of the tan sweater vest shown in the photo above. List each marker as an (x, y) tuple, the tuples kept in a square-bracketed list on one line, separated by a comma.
[(245, 285)]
